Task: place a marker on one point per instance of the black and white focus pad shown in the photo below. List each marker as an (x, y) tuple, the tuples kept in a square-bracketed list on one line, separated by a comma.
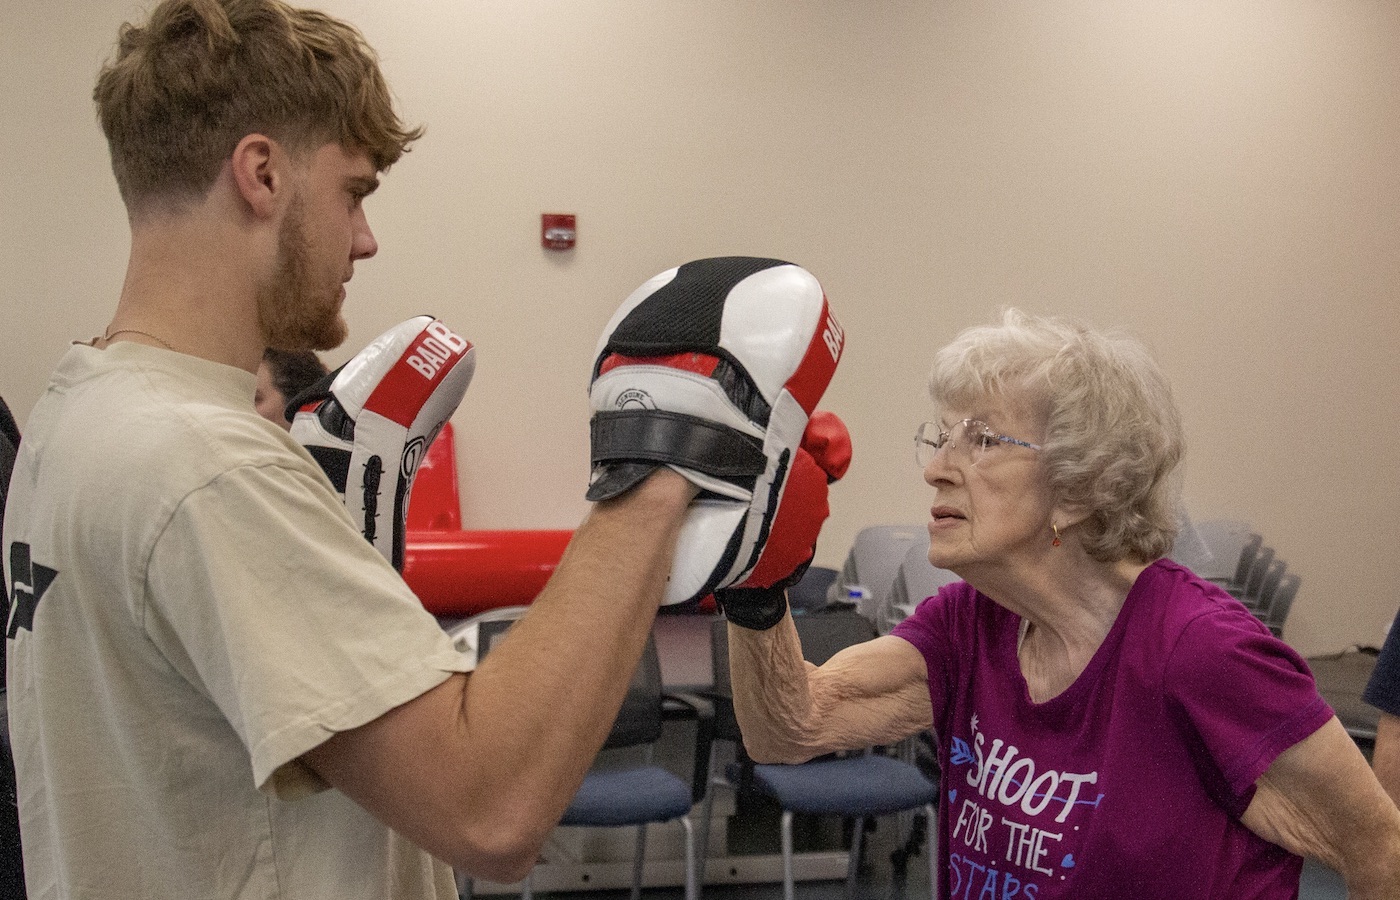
[(713, 369), (370, 422)]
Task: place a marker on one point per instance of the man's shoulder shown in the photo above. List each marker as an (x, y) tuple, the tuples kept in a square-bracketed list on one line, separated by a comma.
[(153, 425)]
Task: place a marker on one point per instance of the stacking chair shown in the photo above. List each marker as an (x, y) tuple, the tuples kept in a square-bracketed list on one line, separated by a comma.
[(915, 581), (857, 786), (873, 561), (1247, 589), (1192, 550), (1249, 555), (1280, 603), (813, 589), (1263, 582), (1269, 590), (1215, 549), (636, 795)]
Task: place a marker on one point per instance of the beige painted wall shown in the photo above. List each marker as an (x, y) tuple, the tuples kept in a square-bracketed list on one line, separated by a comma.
[(1220, 176)]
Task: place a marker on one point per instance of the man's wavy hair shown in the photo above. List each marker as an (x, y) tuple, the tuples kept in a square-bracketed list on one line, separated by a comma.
[(1113, 436), (200, 75)]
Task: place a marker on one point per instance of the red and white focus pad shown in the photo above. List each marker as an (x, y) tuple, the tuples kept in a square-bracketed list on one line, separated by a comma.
[(713, 369), (372, 424)]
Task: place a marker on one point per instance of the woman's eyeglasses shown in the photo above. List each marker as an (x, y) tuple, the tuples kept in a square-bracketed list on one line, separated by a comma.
[(968, 441)]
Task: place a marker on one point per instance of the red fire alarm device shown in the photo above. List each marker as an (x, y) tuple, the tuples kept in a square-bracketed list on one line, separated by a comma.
[(557, 231)]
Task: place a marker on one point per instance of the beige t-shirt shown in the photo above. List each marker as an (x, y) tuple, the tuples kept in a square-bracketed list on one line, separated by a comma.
[(192, 610)]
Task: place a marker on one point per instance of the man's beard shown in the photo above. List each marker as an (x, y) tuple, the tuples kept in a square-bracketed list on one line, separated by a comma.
[(290, 314)]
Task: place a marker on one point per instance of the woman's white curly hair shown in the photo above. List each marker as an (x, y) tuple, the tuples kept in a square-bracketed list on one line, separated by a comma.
[(1113, 435)]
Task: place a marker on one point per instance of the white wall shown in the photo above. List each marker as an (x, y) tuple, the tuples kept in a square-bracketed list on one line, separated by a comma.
[(1220, 176)]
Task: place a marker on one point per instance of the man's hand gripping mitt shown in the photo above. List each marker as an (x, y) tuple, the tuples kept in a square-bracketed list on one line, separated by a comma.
[(370, 422), (714, 369)]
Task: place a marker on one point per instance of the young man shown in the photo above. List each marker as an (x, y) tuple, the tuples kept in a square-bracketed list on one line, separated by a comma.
[(202, 644)]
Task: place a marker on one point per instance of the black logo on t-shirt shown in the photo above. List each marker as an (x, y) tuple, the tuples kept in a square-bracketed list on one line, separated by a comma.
[(28, 581)]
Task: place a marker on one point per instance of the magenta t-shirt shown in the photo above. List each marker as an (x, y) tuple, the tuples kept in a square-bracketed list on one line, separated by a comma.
[(1132, 781)]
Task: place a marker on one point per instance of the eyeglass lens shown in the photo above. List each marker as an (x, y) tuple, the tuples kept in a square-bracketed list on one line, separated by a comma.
[(968, 438)]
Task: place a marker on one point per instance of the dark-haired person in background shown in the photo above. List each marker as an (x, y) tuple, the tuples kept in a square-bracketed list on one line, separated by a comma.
[(282, 375), (1383, 692)]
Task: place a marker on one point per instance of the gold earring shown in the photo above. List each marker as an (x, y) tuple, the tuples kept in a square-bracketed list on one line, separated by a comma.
[(1055, 528)]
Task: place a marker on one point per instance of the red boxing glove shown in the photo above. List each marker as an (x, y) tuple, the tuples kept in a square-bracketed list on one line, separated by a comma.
[(760, 601), (829, 444)]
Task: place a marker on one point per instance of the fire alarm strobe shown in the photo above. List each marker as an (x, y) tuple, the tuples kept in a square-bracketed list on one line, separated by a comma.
[(557, 231)]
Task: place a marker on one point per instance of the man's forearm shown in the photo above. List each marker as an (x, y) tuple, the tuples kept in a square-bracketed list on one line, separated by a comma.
[(546, 697), (479, 769)]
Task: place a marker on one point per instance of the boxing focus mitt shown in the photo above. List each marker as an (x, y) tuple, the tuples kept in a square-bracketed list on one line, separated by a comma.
[(760, 601), (369, 423), (713, 369)]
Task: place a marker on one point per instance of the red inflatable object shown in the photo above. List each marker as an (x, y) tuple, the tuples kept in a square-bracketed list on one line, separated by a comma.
[(462, 573), (435, 503)]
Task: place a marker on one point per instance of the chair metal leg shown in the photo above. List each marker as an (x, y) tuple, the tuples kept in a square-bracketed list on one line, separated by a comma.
[(703, 839), (932, 851), (638, 862), (707, 807), (692, 885), (787, 855), (527, 887), (853, 865)]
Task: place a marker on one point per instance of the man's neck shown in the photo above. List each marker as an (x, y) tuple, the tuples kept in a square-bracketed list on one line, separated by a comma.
[(191, 286)]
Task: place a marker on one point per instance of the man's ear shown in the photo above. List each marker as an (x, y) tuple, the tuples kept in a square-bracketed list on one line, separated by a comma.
[(260, 169)]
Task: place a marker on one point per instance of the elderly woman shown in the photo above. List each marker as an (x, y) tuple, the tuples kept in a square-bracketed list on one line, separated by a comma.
[(1108, 724)]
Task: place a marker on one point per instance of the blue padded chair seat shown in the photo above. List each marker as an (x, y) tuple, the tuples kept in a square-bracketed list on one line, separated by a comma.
[(629, 797), (852, 786)]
